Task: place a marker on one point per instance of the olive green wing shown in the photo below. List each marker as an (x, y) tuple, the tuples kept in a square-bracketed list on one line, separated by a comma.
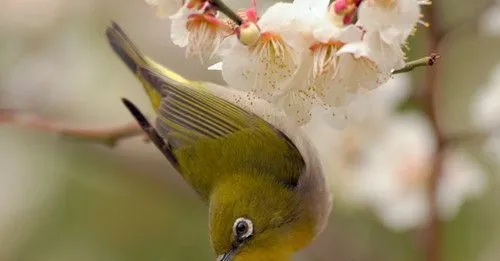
[(201, 127), (188, 115)]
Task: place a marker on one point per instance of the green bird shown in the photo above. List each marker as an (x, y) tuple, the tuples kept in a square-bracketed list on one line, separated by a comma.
[(262, 179)]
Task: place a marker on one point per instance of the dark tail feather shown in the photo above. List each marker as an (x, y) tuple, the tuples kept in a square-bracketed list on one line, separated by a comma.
[(159, 142), (124, 47)]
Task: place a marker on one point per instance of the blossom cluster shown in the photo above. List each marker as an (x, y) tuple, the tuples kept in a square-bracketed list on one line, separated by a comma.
[(318, 59), (384, 162), (304, 54)]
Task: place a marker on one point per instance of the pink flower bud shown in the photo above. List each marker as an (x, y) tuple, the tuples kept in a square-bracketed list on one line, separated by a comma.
[(340, 5), (348, 18)]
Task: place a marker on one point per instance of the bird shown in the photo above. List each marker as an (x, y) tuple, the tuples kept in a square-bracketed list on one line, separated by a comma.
[(261, 178)]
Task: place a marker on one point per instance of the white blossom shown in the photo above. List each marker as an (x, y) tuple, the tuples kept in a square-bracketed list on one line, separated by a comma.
[(382, 160), (364, 66), (394, 178), (373, 106), (307, 54), (489, 23), (325, 72), (266, 67), (196, 26), (395, 20), (368, 63), (298, 77), (162, 7), (485, 107), (178, 27), (316, 77), (341, 145), (485, 112)]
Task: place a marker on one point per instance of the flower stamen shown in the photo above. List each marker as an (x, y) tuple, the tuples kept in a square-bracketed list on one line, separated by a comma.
[(324, 68), (205, 32), (275, 60)]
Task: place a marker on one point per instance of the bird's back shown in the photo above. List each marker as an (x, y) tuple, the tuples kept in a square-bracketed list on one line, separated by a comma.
[(213, 139)]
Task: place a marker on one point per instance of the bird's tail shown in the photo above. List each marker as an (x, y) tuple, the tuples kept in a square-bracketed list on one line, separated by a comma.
[(133, 58), (136, 62), (125, 48)]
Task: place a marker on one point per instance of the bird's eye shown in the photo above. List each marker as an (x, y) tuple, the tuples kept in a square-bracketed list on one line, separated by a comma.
[(243, 228)]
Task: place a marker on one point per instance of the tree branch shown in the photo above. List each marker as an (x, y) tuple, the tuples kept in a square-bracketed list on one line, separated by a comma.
[(410, 66), (105, 136), (227, 11), (470, 136), (429, 98)]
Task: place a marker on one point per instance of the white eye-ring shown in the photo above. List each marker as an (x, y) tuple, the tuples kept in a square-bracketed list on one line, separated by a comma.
[(243, 228)]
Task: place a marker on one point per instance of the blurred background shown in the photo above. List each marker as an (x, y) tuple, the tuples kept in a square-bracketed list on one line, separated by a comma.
[(62, 199)]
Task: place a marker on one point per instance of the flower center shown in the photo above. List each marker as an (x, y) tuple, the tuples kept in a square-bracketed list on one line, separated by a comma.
[(324, 66), (205, 34), (413, 173), (276, 61), (196, 20)]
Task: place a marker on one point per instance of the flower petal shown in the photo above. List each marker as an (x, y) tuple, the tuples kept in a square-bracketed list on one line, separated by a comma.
[(215, 67), (395, 20), (178, 29), (266, 69), (298, 104), (162, 7)]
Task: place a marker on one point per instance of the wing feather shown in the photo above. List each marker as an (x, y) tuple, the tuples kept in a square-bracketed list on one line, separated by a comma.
[(197, 113)]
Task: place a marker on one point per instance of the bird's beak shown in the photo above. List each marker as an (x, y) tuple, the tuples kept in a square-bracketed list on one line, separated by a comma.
[(226, 257)]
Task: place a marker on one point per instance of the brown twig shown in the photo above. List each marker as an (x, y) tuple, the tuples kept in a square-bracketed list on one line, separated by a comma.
[(429, 98), (227, 11), (106, 136), (471, 136), (410, 66), (467, 137)]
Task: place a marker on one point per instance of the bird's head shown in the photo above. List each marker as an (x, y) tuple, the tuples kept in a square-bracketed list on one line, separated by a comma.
[(252, 217)]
